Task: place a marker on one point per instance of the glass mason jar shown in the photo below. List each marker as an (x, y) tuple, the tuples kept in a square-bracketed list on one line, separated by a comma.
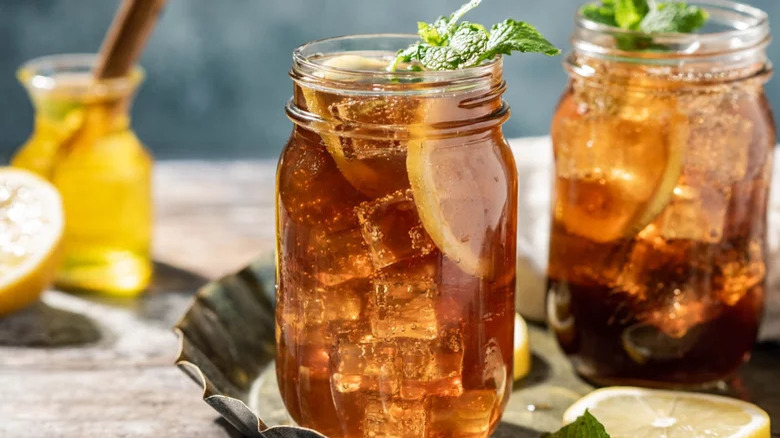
[(82, 142), (663, 161), (396, 225)]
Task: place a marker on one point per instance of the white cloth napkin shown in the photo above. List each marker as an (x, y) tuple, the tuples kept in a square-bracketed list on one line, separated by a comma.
[(534, 163)]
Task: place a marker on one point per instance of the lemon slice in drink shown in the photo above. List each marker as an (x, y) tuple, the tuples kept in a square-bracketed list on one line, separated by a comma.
[(522, 349), (460, 191), (360, 175), (628, 412), (616, 172), (31, 226)]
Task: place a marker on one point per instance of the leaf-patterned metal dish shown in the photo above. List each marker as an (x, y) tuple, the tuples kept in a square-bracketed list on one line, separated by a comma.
[(227, 347)]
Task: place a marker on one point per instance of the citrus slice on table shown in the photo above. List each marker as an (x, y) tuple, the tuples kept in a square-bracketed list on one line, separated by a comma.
[(31, 226), (628, 412), (522, 349), (616, 171)]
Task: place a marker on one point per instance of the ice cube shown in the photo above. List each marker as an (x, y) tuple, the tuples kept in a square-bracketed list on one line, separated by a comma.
[(332, 257), (739, 271), (312, 190), (380, 110), (392, 230), (365, 365), (466, 416), (432, 367), (583, 261), (719, 141), (644, 342), (669, 284), (695, 213), (403, 302), (394, 418), (495, 372), (343, 302)]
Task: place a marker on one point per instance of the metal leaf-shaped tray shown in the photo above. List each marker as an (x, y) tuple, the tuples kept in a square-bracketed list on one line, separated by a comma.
[(227, 347), (226, 344)]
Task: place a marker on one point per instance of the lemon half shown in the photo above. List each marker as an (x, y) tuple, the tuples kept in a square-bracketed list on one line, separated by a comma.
[(522, 349), (31, 226), (628, 412)]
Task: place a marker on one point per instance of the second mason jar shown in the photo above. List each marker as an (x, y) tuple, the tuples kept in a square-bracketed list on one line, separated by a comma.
[(396, 226), (663, 160)]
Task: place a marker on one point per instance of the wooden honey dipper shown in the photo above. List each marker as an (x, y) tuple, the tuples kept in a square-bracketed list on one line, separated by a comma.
[(125, 39)]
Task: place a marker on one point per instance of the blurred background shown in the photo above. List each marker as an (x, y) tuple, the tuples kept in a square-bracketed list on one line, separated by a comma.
[(217, 70)]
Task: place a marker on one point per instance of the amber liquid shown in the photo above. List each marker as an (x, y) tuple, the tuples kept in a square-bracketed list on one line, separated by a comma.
[(676, 301), (378, 332)]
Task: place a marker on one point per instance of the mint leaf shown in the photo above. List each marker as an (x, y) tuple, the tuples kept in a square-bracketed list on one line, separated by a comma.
[(586, 426), (457, 15), (440, 58), (628, 13), (516, 36), (470, 41), (448, 45), (674, 17), (604, 14), (646, 16), (429, 34)]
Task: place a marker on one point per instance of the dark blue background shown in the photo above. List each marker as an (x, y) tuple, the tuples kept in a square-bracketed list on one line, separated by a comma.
[(217, 69)]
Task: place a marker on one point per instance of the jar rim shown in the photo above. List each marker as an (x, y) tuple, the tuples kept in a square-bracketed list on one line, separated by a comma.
[(307, 69), (41, 75), (745, 27)]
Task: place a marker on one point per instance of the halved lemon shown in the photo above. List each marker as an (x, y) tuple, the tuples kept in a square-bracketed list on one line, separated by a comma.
[(616, 172), (522, 349), (31, 226), (628, 412)]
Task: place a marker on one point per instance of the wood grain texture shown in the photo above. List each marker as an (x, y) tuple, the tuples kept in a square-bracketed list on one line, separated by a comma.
[(211, 219)]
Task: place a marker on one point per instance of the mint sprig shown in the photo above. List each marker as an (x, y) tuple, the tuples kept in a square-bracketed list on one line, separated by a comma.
[(647, 16), (585, 426), (447, 44)]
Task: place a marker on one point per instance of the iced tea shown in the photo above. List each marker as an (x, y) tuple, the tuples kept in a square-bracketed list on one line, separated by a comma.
[(658, 254), (396, 246)]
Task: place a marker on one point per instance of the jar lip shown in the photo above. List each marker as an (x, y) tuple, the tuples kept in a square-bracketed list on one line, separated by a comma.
[(389, 42), (53, 72), (746, 27)]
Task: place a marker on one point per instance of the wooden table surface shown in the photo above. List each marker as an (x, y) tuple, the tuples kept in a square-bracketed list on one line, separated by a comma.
[(119, 380), (116, 377)]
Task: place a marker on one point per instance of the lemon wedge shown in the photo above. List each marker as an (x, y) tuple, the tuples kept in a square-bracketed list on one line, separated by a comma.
[(617, 172), (522, 349), (628, 412), (440, 175), (31, 226), (360, 175)]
